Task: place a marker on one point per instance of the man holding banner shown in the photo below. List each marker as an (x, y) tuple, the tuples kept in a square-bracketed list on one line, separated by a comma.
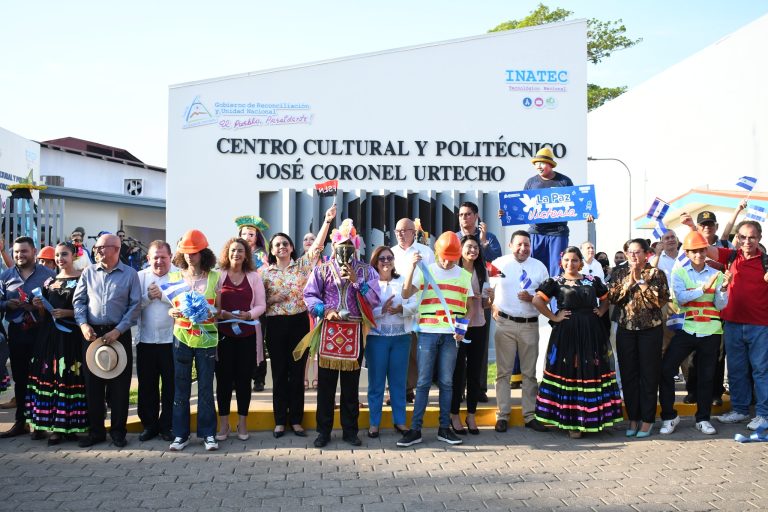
[(548, 239)]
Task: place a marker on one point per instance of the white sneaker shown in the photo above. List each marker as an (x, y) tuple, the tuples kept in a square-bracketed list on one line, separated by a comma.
[(668, 426), (178, 444), (732, 417), (757, 422), (706, 427), (210, 444)]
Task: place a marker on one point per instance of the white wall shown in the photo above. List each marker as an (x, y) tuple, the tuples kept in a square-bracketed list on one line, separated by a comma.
[(87, 173), (701, 123), (447, 91), (18, 156)]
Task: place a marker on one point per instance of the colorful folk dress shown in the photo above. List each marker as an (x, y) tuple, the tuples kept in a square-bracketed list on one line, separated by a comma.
[(579, 390), (56, 392)]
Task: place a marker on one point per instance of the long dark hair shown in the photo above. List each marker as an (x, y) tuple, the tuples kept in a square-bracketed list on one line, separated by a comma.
[(271, 258), (479, 263), (207, 260)]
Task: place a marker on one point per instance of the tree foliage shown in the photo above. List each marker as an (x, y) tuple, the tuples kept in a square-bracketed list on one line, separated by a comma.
[(603, 38)]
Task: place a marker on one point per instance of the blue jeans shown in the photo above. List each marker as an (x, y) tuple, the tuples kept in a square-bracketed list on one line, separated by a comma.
[(387, 360), (747, 345), (440, 348), (205, 362)]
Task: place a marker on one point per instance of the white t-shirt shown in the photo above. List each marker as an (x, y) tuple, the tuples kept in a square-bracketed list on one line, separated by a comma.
[(506, 288), (403, 257), (155, 325), (594, 269), (440, 274)]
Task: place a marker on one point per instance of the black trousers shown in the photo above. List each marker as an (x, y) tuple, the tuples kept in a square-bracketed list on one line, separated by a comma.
[(234, 367), (706, 351), (639, 354), (118, 388), (283, 333), (154, 366), (691, 381), (469, 366), (21, 346), (349, 405)]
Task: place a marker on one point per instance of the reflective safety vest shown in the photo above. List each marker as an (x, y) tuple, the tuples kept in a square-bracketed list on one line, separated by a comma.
[(432, 315), (202, 335), (701, 316)]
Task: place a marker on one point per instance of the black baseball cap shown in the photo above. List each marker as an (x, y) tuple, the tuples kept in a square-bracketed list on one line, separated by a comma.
[(705, 216)]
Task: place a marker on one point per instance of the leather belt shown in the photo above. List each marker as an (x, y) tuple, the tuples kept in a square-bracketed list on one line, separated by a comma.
[(518, 319)]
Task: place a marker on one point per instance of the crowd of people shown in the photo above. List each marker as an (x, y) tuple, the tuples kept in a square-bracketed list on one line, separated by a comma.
[(412, 315)]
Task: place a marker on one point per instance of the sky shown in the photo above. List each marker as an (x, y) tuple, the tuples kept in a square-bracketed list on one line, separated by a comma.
[(101, 70)]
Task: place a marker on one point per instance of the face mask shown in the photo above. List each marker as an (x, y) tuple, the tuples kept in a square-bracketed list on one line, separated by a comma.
[(344, 254)]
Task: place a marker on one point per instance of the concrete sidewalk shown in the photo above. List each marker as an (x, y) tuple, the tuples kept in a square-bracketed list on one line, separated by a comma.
[(518, 470)]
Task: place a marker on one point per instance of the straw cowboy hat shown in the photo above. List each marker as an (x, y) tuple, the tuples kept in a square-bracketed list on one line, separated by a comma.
[(545, 155), (106, 360)]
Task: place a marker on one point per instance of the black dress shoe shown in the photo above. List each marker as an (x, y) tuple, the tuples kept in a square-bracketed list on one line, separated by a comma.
[(258, 386), (17, 429), (89, 441), (352, 439), (410, 397), (299, 432), (536, 425), (483, 398), (501, 426), (321, 441), (689, 399), (148, 434), (166, 436), (119, 441)]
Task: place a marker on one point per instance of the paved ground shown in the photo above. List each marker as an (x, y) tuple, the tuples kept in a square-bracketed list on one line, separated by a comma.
[(519, 470)]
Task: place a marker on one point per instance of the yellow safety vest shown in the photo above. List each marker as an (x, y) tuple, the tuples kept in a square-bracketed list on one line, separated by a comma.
[(205, 334), (701, 316), (432, 315)]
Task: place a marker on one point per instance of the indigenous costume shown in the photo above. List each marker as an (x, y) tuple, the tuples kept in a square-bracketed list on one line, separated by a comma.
[(261, 249), (56, 398), (579, 390), (340, 343)]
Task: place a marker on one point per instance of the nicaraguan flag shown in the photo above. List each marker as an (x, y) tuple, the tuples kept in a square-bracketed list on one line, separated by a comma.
[(658, 209), (683, 259), (747, 183), (172, 289), (525, 281), (676, 321), (756, 213), (659, 230)]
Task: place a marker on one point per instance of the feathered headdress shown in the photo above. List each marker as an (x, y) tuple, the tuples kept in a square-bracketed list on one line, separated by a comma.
[(346, 232)]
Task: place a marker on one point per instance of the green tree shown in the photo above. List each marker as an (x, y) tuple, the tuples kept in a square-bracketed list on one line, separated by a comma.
[(603, 38)]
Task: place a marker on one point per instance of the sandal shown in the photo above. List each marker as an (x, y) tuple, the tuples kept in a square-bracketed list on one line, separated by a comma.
[(314, 383), (306, 384), (243, 435), (224, 434)]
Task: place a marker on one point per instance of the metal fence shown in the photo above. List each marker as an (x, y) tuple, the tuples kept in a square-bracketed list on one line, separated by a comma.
[(42, 221)]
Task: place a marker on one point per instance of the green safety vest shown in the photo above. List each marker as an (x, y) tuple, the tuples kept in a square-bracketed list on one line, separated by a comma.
[(431, 312), (205, 334), (701, 316)]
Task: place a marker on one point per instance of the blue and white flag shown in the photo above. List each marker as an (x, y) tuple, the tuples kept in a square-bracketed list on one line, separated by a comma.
[(747, 183), (659, 230), (683, 259), (675, 321), (525, 281), (756, 213), (658, 209), (173, 289)]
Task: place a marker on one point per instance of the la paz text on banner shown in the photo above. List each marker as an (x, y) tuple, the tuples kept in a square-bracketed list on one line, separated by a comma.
[(556, 204)]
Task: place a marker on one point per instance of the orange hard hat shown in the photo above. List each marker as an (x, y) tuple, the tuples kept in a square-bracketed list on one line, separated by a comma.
[(448, 246), (47, 253), (193, 241), (694, 240)]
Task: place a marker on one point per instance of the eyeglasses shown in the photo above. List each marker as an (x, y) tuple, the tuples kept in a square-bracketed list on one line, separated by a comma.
[(99, 248), (403, 231), (384, 259), (743, 238)]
